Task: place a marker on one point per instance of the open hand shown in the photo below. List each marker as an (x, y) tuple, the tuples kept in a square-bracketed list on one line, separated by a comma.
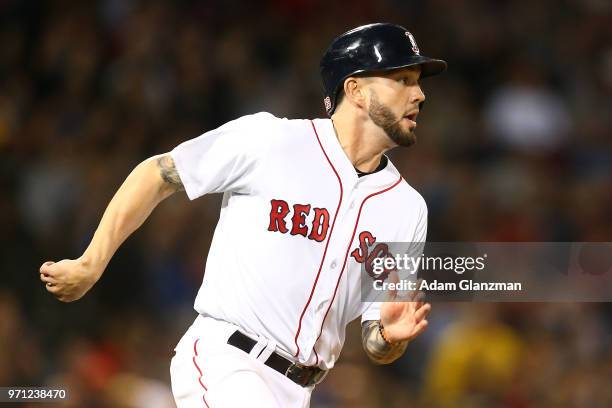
[(405, 320)]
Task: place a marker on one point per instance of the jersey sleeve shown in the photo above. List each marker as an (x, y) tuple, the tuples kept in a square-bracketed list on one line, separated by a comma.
[(372, 312), (226, 158), (419, 235)]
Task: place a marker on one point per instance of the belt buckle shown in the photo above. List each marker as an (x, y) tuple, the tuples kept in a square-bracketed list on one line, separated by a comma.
[(293, 367), (298, 373), (305, 375)]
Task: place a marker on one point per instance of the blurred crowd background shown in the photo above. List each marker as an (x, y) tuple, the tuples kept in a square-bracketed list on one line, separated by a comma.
[(514, 145)]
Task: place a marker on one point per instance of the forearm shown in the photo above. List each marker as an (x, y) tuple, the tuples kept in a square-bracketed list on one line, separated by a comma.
[(140, 193), (376, 347)]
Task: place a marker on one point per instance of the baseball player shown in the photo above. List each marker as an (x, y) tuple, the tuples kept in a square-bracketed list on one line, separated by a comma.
[(304, 204)]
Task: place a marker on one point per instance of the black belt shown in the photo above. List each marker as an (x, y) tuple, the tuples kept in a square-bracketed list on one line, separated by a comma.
[(298, 373)]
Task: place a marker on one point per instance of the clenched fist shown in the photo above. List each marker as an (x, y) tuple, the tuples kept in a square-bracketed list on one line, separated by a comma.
[(68, 280)]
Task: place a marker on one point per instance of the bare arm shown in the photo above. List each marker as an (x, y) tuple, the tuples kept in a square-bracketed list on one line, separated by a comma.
[(376, 347), (148, 184), (385, 340)]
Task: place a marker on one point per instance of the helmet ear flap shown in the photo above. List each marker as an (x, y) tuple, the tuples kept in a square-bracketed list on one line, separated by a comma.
[(329, 108)]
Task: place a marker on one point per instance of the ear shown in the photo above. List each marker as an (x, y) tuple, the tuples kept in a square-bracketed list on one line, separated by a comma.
[(355, 92)]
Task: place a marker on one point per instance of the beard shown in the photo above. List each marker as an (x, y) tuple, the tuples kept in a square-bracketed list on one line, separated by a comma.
[(383, 117)]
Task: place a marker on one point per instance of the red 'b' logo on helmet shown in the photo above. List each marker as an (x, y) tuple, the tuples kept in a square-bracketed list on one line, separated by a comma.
[(415, 47)]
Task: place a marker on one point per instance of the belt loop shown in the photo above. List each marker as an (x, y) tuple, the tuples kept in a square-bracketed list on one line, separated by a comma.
[(267, 351), (258, 347)]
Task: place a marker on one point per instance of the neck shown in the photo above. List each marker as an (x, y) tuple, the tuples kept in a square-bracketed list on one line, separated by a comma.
[(363, 142)]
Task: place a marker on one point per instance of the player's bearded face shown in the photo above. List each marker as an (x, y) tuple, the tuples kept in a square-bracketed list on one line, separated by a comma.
[(385, 118)]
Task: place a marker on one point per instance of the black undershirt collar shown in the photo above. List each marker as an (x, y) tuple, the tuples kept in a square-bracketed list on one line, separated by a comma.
[(381, 165)]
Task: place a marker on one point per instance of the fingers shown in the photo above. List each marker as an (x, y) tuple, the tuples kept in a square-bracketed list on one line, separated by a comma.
[(417, 296), (415, 293), (53, 278), (419, 300), (54, 290), (47, 279), (51, 288), (422, 312), (393, 293), (45, 268), (419, 328), (58, 292)]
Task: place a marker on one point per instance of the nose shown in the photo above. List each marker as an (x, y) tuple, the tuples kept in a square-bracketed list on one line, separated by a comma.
[(418, 96)]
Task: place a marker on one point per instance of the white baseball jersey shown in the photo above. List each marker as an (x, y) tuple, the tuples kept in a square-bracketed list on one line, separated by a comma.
[(295, 225)]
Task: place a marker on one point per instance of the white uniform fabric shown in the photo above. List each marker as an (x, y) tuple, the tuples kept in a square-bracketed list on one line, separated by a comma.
[(283, 263), (207, 372)]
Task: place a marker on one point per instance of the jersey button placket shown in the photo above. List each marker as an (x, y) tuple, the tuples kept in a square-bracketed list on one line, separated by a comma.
[(338, 247)]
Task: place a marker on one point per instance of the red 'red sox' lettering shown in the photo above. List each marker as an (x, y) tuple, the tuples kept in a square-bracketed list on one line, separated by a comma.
[(365, 240), (299, 224), (279, 211), (300, 211), (363, 255), (319, 224)]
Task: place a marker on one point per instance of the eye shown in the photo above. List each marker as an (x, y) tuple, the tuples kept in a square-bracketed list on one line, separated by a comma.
[(402, 80)]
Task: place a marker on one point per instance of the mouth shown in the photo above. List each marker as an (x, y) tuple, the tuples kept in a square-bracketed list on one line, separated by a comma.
[(411, 117)]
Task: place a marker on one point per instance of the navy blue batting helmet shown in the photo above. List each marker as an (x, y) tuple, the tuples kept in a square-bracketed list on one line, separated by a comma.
[(369, 48)]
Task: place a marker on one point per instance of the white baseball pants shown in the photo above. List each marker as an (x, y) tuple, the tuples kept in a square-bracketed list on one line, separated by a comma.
[(207, 372)]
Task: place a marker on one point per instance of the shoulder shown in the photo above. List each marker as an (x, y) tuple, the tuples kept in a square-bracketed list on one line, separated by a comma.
[(262, 119), (251, 130), (412, 194), (270, 135), (281, 131), (269, 122), (408, 195), (268, 117), (413, 199)]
